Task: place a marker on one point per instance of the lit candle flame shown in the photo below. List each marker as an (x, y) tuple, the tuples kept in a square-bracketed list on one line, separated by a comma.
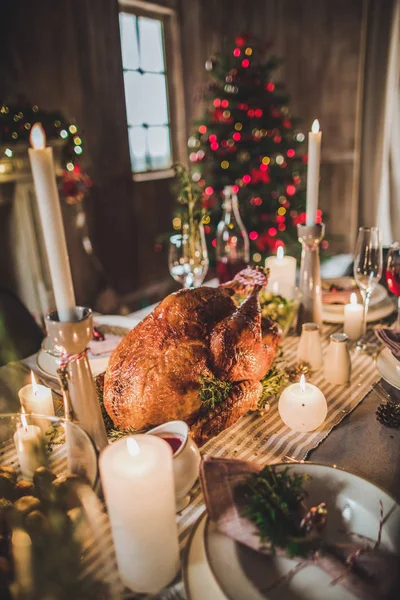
[(302, 384), (280, 253), (35, 386), (353, 299), (315, 126), (38, 137), (132, 446), (24, 422)]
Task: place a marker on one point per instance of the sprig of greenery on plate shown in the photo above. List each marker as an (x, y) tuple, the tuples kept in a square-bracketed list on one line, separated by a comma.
[(273, 502)]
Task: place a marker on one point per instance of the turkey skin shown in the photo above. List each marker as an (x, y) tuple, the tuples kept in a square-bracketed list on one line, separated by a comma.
[(154, 375)]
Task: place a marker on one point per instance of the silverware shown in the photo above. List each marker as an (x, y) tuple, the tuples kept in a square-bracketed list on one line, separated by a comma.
[(292, 459), (380, 390)]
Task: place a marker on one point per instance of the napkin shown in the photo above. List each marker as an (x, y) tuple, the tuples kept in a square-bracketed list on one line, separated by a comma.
[(391, 339), (368, 572)]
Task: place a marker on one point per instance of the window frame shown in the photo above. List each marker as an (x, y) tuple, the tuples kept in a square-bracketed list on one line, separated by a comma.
[(174, 81)]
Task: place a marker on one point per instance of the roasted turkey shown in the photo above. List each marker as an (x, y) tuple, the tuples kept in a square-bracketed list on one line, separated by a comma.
[(155, 373)]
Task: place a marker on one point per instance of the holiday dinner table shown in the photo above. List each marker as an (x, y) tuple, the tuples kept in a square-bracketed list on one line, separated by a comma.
[(351, 438)]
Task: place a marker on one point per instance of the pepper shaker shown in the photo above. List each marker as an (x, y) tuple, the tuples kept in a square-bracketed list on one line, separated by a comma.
[(337, 365), (309, 349)]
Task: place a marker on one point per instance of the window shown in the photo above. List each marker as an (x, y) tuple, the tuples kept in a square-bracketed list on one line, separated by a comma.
[(149, 105)]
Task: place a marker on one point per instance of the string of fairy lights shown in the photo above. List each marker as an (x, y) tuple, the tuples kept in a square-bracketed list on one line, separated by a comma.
[(15, 125)]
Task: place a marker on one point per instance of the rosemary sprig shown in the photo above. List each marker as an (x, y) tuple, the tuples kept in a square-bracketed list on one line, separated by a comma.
[(117, 434), (272, 501), (272, 383), (213, 391)]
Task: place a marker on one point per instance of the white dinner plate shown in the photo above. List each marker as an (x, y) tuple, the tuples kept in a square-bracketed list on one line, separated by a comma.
[(200, 583), (378, 295), (388, 367), (353, 505), (98, 364), (375, 313)]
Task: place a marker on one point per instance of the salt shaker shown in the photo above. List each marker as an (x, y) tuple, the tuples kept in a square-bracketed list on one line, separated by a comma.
[(337, 365), (309, 349)]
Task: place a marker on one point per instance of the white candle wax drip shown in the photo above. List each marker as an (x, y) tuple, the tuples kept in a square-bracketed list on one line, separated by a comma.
[(302, 406)]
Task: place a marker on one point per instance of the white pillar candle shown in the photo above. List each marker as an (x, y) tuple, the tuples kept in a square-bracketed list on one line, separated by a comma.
[(29, 443), (52, 224), (37, 399), (313, 163), (137, 479), (353, 319), (302, 406), (282, 274)]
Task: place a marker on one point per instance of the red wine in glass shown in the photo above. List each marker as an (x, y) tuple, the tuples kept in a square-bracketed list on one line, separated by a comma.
[(393, 280), (393, 274), (227, 269)]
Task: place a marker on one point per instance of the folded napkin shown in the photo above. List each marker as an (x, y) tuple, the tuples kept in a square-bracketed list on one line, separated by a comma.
[(99, 348), (366, 570), (391, 339)]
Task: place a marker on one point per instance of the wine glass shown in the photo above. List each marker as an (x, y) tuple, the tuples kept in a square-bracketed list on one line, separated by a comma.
[(393, 276), (188, 258), (368, 266)]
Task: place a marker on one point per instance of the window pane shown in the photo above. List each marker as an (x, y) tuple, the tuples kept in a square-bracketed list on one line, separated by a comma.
[(151, 45), (146, 99), (135, 99), (130, 54), (159, 147), (137, 144)]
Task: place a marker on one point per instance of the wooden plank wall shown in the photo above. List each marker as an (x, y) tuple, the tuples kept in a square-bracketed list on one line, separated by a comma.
[(320, 43), (66, 55)]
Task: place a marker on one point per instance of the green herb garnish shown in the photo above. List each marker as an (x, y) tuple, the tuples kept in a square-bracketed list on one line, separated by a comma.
[(214, 391), (273, 502), (272, 383), (117, 434)]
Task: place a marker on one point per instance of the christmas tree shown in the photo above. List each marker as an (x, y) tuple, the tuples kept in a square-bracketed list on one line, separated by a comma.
[(249, 139)]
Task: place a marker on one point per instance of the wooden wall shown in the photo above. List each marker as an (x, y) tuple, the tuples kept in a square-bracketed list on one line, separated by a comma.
[(320, 42), (66, 55)]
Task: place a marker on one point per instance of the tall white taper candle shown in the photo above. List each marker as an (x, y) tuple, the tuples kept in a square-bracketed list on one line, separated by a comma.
[(314, 158), (52, 224)]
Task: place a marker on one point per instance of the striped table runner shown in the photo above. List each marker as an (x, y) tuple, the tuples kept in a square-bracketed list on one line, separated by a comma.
[(265, 439)]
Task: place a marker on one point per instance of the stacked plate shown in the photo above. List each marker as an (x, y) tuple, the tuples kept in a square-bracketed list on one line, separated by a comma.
[(114, 327), (380, 306), (218, 568)]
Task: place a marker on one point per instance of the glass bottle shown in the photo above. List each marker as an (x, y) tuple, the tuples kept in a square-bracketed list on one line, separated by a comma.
[(233, 251)]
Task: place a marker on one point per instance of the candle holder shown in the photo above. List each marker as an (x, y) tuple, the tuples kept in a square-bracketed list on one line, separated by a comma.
[(68, 345), (310, 309)]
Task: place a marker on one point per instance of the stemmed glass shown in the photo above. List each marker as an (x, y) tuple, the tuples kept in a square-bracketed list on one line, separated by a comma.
[(393, 276), (188, 258), (368, 265)]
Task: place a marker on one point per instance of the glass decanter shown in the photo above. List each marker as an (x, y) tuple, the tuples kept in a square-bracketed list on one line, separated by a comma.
[(233, 250)]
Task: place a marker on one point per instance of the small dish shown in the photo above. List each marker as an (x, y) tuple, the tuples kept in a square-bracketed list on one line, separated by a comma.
[(186, 458)]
